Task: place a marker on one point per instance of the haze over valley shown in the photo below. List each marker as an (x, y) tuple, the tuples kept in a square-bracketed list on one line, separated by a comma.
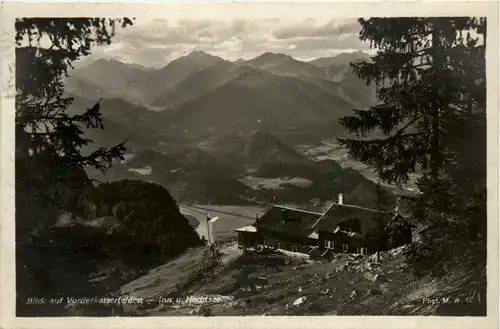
[(231, 132)]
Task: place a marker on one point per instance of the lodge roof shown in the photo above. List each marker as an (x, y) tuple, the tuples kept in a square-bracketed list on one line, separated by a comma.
[(305, 223), (297, 210), (366, 217), (289, 220), (249, 228)]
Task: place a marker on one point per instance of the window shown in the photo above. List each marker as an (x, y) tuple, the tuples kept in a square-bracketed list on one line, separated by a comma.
[(364, 251), (280, 245), (345, 248), (294, 248), (329, 244)]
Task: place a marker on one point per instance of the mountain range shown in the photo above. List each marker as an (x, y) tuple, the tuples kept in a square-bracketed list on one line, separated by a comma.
[(252, 149), (201, 125), (342, 59), (202, 94)]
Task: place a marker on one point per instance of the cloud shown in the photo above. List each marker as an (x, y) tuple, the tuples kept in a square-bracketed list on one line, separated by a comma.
[(349, 41), (156, 42), (308, 28)]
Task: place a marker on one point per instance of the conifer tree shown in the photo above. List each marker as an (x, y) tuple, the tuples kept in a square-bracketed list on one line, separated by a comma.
[(430, 79), (42, 123), (49, 141), (415, 73), (49, 162), (429, 75)]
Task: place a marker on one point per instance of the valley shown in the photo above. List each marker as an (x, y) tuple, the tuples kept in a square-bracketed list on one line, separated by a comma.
[(257, 168)]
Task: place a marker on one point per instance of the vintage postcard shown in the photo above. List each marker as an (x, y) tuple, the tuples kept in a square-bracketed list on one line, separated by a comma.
[(282, 165)]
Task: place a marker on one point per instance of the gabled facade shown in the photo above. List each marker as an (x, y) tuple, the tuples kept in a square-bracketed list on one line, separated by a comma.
[(248, 236), (287, 228), (341, 229)]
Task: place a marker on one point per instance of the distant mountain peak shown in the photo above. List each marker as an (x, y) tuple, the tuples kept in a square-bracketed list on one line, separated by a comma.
[(196, 56), (107, 61), (101, 60), (256, 147), (198, 53), (117, 63), (359, 52), (274, 56), (357, 55), (239, 61), (285, 65), (342, 59)]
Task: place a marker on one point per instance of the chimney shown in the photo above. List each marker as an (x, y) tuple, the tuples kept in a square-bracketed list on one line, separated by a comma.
[(396, 208), (341, 198), (284, 215)]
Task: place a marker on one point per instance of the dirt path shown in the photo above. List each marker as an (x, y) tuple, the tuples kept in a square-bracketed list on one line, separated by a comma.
[(206, 209), (230, 218)]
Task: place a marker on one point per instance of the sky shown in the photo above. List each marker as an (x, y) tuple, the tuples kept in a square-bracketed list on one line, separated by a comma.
[(156, 42)]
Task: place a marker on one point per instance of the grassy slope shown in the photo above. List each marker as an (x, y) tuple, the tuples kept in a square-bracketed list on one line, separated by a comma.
[(161, 278), (328, 287), (328, 292)]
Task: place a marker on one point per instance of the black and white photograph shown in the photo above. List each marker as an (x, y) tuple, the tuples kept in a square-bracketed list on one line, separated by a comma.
[(306, 165)]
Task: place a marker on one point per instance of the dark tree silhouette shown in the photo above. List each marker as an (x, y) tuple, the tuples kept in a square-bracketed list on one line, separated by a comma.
[(49, 161), (42, 123), (50, 176), (430, 79), (415, 72)]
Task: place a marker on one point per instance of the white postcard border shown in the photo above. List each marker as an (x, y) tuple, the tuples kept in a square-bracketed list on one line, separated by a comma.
[(9, 11)]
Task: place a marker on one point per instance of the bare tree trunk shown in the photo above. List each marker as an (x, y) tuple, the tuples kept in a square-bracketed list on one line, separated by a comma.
[(435, 111)]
